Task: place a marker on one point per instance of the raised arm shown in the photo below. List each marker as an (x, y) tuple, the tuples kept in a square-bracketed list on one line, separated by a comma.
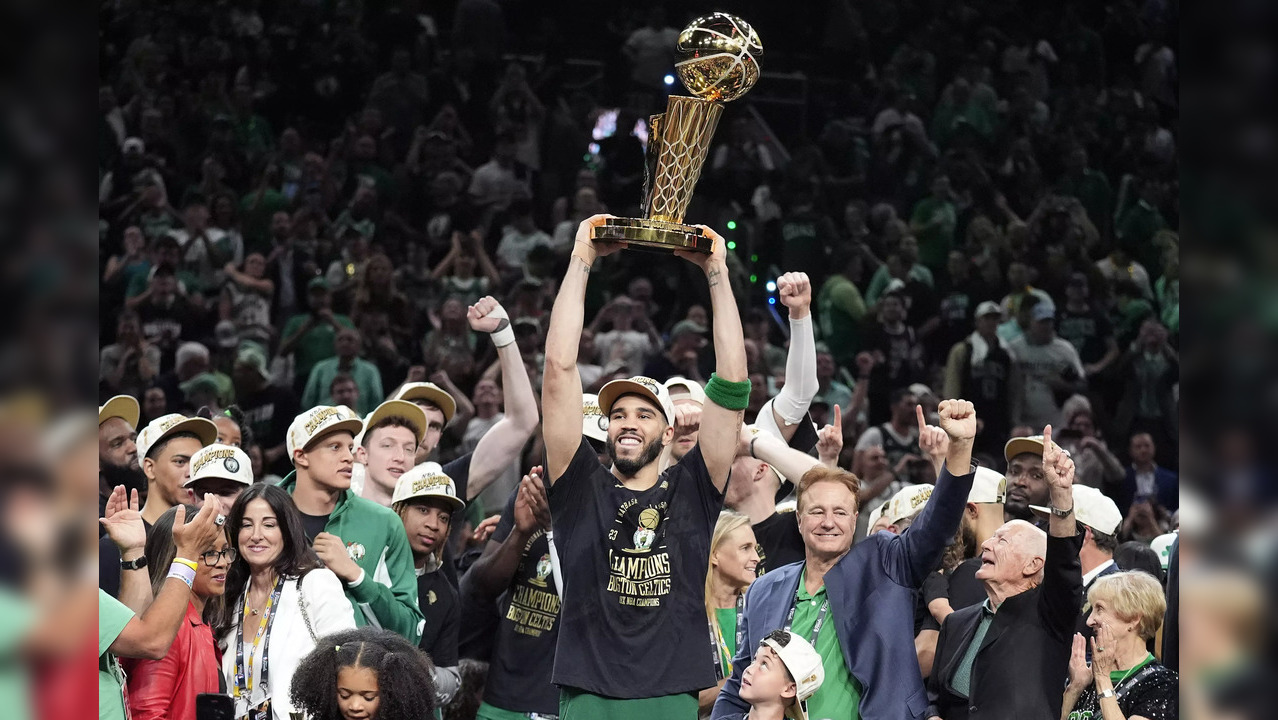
[(561, 382), (720, 426), (1062, 588), (123, 524), (499, 448), (790, 407), (783, 458)]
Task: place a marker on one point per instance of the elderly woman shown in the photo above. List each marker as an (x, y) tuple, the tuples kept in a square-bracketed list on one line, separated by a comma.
[(1124, 680)]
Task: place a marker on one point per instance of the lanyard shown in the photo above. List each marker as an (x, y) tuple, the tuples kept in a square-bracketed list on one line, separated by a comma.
[(244, 672), (718, 648), (816, 627)]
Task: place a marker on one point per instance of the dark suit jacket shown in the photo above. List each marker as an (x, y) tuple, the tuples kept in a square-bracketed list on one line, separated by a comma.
[(1022, 665), (1166, 489), (1081, 627), (871, 591)]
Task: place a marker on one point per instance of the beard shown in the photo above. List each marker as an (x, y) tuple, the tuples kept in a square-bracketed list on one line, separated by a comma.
[(131, 478), (630, 468)]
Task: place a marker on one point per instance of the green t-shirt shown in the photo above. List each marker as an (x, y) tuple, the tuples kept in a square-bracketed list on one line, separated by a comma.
[(112, 617), (317, 344), (839, 697), (937, 239), (15, 623), (840, 310), (728, 634), (580, 705)]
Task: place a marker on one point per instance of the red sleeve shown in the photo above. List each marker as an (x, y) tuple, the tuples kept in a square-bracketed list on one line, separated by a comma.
[(153, 682)]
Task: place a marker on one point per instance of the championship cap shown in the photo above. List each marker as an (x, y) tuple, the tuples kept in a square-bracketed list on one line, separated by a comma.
[(1092, 508), (873, 518), (594, 424), (637, 385), (803, 663), (124, 407), (693, 388), (225, 462), (401, 408), (907, 502), (1162, 545), (1021, 445), (320, 420), (431, 393), (987, 487), (172, 424), (427, 481)]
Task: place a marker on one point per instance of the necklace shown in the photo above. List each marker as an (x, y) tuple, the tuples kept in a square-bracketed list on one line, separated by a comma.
[(1139, 663)]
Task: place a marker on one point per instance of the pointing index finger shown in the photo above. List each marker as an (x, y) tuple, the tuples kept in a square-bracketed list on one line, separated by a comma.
[(838, 420), (918, 412)]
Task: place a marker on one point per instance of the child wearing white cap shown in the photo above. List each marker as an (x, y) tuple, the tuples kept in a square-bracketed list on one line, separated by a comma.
[(786, 671)]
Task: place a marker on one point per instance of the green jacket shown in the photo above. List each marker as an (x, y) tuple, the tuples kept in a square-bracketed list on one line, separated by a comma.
[(375, 538)]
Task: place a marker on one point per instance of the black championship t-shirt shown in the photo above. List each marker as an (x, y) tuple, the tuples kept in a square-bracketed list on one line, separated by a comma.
[(779, 541), (633, 624), (437, 598), (959, 586), (519, 672)]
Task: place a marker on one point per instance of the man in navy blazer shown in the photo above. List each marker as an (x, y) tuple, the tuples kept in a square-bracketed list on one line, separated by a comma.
[(1145, 478), (869, 587)]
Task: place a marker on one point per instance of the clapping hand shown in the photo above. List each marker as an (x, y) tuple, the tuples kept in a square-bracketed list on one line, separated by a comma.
[(122, 521), (830, 440), (486, 528), (1080, 674), (531, 508), (933, 441)]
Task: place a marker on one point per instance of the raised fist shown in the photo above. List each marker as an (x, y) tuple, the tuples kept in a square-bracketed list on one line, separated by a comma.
[(795, 291), (933, 441), (958, 420), (482, 317)]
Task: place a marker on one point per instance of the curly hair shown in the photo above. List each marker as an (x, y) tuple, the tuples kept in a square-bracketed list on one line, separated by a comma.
[(404, 674), (236, 415)]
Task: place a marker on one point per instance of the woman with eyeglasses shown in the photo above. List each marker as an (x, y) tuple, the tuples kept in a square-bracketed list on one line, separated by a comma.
[(279, 600), (166, 688)]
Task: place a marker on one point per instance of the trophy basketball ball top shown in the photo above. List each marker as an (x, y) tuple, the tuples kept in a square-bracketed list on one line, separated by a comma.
[(717, 60)]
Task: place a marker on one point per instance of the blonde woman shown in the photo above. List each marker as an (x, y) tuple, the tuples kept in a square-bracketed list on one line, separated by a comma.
[(1124, 680), (734, 557)]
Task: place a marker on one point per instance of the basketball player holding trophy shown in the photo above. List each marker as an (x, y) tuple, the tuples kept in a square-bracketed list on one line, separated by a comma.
[(635, 541)]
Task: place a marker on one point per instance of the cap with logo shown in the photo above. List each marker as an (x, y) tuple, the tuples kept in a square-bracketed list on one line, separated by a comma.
[(594, 424), (1092, 508), (1032, 444), (172, 424), (907, 502), (987, 487), (696, 393), (396, 408), (320, 420), (427, 481), (873, 518), (221, 462), (803, 663), (124, 407), (1162, 545), (638, 385), (431, 393)]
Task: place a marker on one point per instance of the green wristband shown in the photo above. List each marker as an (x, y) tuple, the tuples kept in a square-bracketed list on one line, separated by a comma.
[(727, 394)]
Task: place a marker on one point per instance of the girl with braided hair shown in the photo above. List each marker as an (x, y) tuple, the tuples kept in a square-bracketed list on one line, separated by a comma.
[(364, 674)]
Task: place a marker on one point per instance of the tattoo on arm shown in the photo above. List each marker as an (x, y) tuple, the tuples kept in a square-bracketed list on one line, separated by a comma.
[(713, 277)]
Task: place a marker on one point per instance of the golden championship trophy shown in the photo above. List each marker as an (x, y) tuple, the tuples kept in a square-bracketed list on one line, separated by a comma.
[(717, 59)]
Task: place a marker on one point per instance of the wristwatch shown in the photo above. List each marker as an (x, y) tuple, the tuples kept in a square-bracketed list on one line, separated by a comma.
[(133, 564), (1062, 513), (1106, 693)]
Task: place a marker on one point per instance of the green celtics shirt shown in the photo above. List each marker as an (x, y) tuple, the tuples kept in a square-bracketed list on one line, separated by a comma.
[(633, 620), (839, 697)]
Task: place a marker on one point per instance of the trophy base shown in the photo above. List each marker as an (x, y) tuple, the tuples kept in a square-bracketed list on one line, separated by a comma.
[(654, 235)]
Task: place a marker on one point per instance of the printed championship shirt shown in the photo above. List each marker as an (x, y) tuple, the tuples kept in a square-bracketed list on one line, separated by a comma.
[(633, 621)]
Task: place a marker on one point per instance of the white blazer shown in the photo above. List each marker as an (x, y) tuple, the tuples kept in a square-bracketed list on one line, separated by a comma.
[(290, 641)]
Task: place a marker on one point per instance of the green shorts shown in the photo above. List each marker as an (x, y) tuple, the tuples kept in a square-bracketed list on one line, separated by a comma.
[(580, 705)]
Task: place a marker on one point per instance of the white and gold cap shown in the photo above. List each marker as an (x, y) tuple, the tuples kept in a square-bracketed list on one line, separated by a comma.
[(431, 393), (172, 424), (695, 391), (594, 424), (637, 385), (803, 663), (124, 407), (427, 481), (907, 502), (225, 462), (320, 420), (988, 486)]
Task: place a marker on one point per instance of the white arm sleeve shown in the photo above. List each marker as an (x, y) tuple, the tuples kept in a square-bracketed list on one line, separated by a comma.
[(800, 373)]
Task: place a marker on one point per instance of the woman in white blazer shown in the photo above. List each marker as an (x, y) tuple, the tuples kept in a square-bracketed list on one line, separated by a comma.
[(278, 601)]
